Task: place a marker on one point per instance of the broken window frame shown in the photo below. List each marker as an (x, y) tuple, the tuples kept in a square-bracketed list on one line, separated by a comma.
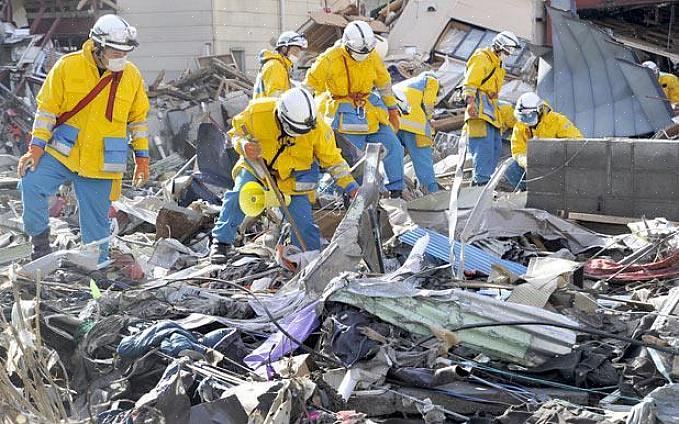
[(513, 65)]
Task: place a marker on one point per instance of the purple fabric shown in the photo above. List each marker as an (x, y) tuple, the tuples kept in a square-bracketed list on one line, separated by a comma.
[(299, 325)]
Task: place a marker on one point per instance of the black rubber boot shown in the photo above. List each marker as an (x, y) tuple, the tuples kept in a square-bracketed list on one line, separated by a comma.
[(395, 194), (220, 252), (41, 245)]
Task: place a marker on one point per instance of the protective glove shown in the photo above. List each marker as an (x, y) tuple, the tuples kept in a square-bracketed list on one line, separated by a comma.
[(394, 119), (353, 193), (141, 171), (472, 111), (252, 150), (30, 159), (522, 160)]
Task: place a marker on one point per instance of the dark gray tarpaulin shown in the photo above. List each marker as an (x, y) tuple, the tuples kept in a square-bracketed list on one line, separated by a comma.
[(597, 82)]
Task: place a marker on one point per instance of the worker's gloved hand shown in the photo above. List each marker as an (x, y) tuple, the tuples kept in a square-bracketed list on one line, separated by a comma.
[(30, 159), (394, 119), (252, 149), (472, 111), (522, 160), (141, 171), (353, 193)]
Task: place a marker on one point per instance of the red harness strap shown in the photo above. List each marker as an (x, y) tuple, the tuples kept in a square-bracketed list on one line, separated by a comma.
[(359, 99), (115, 79)]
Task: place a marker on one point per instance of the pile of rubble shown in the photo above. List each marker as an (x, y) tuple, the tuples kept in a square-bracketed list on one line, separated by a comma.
[(535, 319), (466, 305)]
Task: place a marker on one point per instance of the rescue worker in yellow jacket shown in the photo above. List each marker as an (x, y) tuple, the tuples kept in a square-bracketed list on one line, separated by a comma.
[(92, 101), (482, 83), (287, 135), (535, 119), (349, 72), (416, 99), (668, 82), (273, 78)]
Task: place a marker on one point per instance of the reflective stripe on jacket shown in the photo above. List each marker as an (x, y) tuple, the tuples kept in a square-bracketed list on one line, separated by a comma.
[(88, 143)]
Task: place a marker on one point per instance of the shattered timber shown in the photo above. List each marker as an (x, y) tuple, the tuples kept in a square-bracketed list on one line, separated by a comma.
[(534, 281)]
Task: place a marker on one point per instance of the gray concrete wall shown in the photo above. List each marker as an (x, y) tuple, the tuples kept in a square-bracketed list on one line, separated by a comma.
[(172, 33), (621, 177)]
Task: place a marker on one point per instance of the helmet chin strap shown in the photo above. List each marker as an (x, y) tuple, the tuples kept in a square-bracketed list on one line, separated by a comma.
[(98, 53)]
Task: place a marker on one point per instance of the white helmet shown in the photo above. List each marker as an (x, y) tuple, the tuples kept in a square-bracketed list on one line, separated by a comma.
[(652, 66), (359, 40), (382, 46), (506, 42), (112, 31), (292, 38), (296, 111), (402, 101), (528, 107)]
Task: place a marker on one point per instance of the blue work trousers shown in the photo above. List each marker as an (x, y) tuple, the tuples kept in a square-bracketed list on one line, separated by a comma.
[(516, 176), (485, 154), (231, 216), (393, 161), (422, 161), (92, 194)]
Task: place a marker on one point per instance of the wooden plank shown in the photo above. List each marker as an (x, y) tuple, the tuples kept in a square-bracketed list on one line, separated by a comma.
[(604, 219)]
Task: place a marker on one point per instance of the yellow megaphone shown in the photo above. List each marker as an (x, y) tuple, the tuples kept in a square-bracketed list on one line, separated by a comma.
[(253, 199)]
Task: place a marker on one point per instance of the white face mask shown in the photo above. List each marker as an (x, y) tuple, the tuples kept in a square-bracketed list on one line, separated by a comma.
[(116, 65), (358, 57), (294, 59)]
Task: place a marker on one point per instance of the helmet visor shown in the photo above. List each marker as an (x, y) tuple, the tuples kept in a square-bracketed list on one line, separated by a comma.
[(529, 117)]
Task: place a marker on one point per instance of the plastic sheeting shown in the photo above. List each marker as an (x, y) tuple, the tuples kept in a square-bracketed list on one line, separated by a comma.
[(597, 82)]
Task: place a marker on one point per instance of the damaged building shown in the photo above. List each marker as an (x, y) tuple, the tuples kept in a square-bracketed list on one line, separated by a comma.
[(474, 303)]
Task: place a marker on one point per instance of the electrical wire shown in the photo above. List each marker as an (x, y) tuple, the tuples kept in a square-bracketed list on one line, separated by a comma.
[(540, 381)]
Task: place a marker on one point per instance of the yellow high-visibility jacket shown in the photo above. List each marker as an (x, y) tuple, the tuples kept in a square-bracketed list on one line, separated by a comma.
[(483, 80), (552, 125), (421, 92), (670, 85), (273, 78), (288, 158), (507, 118), (88, 143), (351, 85)]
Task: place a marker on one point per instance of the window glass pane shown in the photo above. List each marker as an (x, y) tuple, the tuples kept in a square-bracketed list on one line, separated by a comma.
[(451, 40), (469, 44), (487, 39)]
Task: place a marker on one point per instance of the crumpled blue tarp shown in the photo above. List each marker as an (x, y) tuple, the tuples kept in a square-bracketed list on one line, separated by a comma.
[(170, 337), (299, 325)]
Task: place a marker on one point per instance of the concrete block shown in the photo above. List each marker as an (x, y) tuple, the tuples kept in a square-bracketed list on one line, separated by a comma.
[(584, 204), (587, 182), (589, 154), (619, 206), (656, 155), (622, 182), (623, 177), (551, 153), (545, 201), (621, 155), (546, 179), (655, 184)]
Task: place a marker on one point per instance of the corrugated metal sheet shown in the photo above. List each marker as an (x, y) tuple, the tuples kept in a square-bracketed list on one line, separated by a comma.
[(596, 82), (475, 259), (418, 311)]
